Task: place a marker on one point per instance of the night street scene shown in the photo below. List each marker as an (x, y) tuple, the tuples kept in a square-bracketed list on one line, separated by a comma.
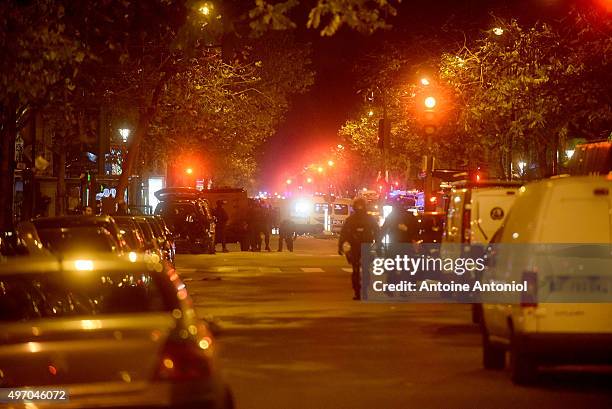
[(291, 204)]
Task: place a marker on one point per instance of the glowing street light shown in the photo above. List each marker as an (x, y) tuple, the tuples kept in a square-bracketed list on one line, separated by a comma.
[(370, 113), (309, 180), (498, 31), (289, 181), (430, 102), (569, 153), (189, 171), (205, 9), (425, 81), (320, 169), (330, 163), (125, 133)]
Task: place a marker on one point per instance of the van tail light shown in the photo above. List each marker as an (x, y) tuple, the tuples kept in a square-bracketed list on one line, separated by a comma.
[(182, 361), (466, 227), (529, 297)]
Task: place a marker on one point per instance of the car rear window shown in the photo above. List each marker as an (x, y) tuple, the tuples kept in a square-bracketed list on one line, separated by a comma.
[(78, 240), (341, 209), (25, 297)]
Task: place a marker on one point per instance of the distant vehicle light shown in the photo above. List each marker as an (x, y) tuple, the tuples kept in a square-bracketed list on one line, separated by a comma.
[(303, 207), (83, 265)]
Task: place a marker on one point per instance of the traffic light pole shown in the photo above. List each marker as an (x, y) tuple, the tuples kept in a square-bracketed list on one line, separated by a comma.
[(428, 188)]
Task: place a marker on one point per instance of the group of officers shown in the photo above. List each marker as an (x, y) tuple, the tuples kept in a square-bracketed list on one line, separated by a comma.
[(400, 226), (257, 227)]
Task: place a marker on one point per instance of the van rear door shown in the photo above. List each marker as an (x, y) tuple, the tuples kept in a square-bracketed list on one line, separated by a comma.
[(490, 207)]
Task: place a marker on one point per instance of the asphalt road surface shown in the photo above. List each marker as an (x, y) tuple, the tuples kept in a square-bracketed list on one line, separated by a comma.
[(292, 338)]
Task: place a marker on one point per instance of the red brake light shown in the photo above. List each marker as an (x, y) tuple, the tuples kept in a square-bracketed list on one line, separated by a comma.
[(529, 297), (183, 361)]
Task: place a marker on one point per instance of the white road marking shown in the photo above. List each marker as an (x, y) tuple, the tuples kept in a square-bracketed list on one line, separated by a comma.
[(269, 269), (347, 269), (312, 269)]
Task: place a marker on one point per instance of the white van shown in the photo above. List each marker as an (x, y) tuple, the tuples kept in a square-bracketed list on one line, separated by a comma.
[(477, 209), (571, 211), (341, 211)]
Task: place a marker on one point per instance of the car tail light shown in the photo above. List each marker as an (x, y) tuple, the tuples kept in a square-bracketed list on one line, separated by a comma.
[(182, 361), (529, 297)]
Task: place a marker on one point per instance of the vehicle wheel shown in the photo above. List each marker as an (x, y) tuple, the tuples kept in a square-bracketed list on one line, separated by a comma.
[(493, 356), (522, 366), (476, 313)]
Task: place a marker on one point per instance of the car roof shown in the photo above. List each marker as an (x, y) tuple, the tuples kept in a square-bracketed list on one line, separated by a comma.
[(72, 264), (468, 184), (63, 221)]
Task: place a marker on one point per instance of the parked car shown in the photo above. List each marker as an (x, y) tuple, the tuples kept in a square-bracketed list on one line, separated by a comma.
[(189, 218), (572, 216), (78, 240), (110, 332), (131, 233), (75, 221), (163, 237)]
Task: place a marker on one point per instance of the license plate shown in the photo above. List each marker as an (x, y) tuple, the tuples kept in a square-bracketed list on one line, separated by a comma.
[(581, 285)]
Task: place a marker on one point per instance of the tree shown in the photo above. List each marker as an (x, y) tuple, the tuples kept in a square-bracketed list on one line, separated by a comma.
[(38, 59), (524, 89), (227, 111)]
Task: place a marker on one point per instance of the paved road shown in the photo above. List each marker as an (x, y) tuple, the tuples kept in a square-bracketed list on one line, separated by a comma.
[(292, 338)]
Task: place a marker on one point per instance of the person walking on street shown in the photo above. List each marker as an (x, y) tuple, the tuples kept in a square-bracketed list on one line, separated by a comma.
[(222, 218), (359, 228), (401, 226), (286, 233)]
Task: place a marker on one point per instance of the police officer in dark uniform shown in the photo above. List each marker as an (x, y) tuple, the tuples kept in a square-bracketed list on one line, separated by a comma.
[(286, 233), (221, 218), (359, 228), (401, 226)]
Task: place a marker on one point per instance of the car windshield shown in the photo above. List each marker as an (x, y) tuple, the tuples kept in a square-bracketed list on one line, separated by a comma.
[(25, 297), (78, 240)]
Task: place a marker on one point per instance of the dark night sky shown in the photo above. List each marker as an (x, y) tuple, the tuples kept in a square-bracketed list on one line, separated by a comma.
[(311, 125)]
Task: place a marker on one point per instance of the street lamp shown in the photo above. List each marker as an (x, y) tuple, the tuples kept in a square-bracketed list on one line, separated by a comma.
[(289, 181), (498, 31), (309, 180), (320, 169), (430, 102), (330, 163), (189, 171), (425, 81), (125, 133), (370, 113), (569, 153), (205, 9)]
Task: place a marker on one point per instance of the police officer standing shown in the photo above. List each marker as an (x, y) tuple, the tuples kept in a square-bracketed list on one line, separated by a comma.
[(222, 218), (286, 233), (359, 228)]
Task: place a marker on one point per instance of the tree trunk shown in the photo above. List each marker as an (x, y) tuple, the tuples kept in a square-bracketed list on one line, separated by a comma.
[(144, 120), (60, 201), (7, 167), (555, 153)]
